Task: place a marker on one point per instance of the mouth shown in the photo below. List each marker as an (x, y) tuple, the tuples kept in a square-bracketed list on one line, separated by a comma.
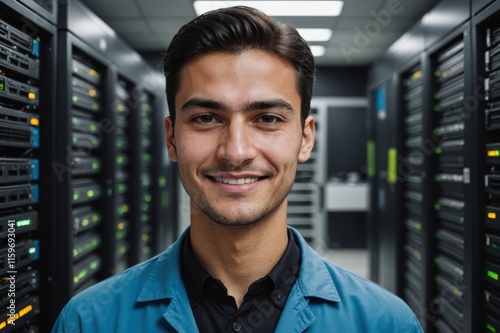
[(235, 181)]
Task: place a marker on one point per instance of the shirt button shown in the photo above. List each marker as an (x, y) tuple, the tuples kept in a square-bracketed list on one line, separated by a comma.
[(236, 326)]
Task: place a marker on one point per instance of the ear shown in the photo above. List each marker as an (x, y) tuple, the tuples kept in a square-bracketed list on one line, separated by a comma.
[(169, 132), (308, 136)]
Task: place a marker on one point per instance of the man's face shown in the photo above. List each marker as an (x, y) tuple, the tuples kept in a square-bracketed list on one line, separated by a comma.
[(238, 136)]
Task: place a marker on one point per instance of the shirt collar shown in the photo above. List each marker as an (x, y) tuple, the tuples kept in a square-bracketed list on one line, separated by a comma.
[(282, 276), (164, 279)]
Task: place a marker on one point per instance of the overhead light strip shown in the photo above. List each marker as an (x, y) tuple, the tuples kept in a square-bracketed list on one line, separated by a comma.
[(318, 50), (277, 8), (315, 34)]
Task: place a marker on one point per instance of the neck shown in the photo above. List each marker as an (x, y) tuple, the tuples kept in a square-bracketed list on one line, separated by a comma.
[(238, 256)]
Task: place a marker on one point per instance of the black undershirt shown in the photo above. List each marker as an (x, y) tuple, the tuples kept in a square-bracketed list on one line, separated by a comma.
[(215, 311)]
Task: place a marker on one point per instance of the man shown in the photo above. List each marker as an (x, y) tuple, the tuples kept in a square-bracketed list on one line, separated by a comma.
[(239, 87)]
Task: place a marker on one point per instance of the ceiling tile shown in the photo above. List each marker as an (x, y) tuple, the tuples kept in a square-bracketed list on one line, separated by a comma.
[(360, 8), (170, 26), (309, 22), (383, 39), (411, 8), (371, 24), (128, 25), (113, 8), (158, 8), (141, 41)]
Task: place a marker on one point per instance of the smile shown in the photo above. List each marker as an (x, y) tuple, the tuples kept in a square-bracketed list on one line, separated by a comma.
[(236, 181)]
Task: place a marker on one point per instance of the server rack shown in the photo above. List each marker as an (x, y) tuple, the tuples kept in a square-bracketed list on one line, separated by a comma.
[(148, 217), (487, 44), (122, 109), (413, 173), (26, 106), (451, 173)]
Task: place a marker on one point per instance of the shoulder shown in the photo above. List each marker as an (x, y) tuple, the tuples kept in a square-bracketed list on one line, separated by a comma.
[(373, 307), (102, 299), (117, 296), (346, 300)]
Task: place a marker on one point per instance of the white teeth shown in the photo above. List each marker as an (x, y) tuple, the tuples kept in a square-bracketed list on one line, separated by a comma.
[(236, 181)]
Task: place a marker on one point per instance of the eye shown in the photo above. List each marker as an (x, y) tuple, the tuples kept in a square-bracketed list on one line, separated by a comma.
[(204, 119), (269, 119)]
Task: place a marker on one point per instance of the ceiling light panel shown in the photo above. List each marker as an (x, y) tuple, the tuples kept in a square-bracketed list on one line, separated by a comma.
[(316, 34), (278, 8)]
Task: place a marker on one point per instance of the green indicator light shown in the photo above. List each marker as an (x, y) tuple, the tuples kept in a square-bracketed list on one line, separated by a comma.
[(437, 73), (119, 159), (75, 99), (95, 165), (148, 197), (96, 217), (437, 108), (144, 217), (90, 193), (145, 237), (75, 139), (438, 150), (93, 127), (95, 141), (32, 250), (82, 274), (94, 264), (492, 275), (122, 187), (437, 95), (23, 223), (85, 222), (95, 106), (75, 197), (74, 121), (144, 206), (145, 107), (122, 249), (2, 85), (437, 207), (147, 157), (162, 181), (495, 245), (491, 328)]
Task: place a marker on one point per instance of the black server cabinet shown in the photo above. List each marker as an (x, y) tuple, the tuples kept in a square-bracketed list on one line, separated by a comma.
[(123, 191), (413, 172), (454, 172), (384, 228), (84, 233), (487, 46), (27, 68)]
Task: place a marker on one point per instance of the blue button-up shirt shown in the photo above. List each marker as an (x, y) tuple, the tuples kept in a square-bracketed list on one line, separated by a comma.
[(151, 297)]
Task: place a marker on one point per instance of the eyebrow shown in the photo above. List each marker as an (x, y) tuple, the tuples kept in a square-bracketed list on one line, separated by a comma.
[(252, 106)]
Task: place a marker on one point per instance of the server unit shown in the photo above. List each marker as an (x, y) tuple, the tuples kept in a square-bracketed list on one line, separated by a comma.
[(26, 106)]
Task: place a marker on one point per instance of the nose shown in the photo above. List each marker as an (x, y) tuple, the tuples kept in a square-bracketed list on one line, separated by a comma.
[(237, 144)]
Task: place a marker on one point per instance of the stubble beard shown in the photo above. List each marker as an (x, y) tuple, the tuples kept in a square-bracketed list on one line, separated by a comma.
[(220, 217)]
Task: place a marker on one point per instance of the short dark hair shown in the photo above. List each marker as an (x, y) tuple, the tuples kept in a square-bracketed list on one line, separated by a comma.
[(238, 29)]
